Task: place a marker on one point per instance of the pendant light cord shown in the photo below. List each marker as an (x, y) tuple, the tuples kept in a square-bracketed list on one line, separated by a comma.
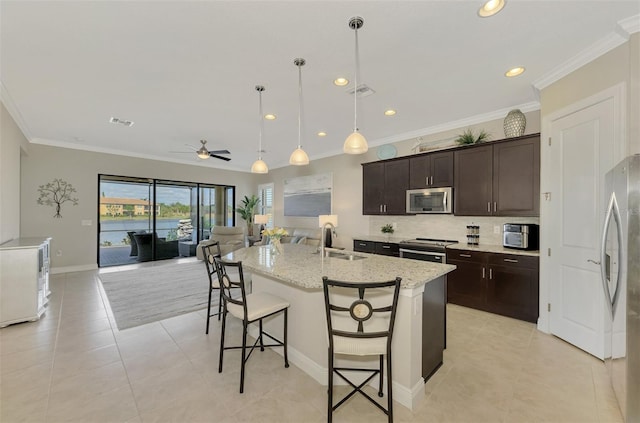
[(261, 126), (355, 91), (300, 103)]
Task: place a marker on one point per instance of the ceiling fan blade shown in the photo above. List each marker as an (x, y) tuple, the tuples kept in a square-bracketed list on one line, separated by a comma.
[(219, 152), (226, 159)]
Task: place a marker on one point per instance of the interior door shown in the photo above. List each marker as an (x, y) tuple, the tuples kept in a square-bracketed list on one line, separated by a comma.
[(581, 152)]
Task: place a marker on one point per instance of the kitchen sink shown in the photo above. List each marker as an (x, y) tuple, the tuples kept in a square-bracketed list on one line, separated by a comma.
[(343, 256)]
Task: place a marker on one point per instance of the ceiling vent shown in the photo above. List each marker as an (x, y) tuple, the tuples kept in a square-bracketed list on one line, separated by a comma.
[(362, 91), (124, 122)]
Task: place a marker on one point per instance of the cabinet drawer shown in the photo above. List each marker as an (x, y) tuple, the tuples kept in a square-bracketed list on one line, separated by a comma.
[(514, 260), (387, 249), (364, 246), (466, 255)]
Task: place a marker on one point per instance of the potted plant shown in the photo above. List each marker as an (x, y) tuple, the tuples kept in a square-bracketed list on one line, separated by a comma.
[(387, 229), (468, 137), (247, 211)]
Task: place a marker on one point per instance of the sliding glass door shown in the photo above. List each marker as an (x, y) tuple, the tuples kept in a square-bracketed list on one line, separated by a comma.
[(146, 219)]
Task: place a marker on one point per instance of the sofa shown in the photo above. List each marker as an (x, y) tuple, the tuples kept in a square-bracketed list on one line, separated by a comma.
[(230, 238), (307, 236), (164, 249)]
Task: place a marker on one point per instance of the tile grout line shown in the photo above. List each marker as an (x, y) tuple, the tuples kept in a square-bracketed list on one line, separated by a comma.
[(55, 348)]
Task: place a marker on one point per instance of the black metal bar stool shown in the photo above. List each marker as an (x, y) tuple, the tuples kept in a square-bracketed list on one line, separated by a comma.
[(210, 252), (360, 319), (248, 308)]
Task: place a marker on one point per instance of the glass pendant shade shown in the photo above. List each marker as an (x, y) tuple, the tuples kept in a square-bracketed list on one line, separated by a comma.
[(299, 157), (355, 144), (259, 166)]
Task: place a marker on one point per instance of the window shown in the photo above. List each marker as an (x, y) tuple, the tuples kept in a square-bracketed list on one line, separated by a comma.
[(265, 193)]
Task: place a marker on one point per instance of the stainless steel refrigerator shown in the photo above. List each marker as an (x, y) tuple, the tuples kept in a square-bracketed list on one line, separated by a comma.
[(620, 267)]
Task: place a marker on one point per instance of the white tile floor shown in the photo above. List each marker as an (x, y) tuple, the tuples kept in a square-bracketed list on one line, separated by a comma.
[(74, 365)]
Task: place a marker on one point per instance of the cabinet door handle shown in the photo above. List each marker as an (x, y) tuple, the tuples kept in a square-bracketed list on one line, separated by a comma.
[(426, 180), (483, 273), (386, 246), (495, 206), (465, 255), (362, 244), (490, 273), (489, 206), (385, 208), (380, 208), (431, 180), (511, 260)]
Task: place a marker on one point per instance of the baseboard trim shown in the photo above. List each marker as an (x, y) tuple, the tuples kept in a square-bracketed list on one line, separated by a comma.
[(71, 269)]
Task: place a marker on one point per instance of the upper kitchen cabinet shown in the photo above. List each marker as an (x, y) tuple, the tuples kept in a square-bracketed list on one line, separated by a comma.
[(433, 170), (384, 186), (501, 179)]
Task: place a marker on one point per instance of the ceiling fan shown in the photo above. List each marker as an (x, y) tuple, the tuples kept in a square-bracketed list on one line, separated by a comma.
[(204, 153)]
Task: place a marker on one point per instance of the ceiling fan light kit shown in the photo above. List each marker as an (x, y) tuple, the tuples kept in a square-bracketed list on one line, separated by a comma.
[(355, 143), (259, 166), (202, 152), (299, 157)]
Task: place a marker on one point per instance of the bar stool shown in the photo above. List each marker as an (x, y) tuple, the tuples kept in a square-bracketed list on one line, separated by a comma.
[(248, 308), (360, 319), (210, 252)]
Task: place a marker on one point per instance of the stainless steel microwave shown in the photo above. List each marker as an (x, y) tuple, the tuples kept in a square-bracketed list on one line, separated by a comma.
[(430, 200)]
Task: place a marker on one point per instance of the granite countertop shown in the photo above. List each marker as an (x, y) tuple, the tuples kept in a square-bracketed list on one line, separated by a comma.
[(298, 265), (379, 238), (490, 248)]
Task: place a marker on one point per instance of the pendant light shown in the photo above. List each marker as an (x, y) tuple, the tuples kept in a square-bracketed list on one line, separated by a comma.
[(299, 157), (259, 166), (356, 143)]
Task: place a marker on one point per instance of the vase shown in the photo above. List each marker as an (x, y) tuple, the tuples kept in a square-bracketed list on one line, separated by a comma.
[(514, 123), (277, 246)]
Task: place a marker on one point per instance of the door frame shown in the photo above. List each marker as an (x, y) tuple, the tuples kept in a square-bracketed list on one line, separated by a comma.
[(618, 93)]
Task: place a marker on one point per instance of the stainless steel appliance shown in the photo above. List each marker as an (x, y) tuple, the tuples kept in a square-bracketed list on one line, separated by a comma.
[(430, 200), (425, 249), (620, 268), (522, 236)]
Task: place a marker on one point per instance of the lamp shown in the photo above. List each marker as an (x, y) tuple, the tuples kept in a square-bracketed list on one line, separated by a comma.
[(259, 166), (299, 157), (261, 219), (356, 142)]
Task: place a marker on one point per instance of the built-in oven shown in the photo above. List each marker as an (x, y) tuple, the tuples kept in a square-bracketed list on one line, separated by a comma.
[(425, 249)]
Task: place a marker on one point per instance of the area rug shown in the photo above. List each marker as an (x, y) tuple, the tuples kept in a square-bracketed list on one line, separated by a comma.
[(151, 294)]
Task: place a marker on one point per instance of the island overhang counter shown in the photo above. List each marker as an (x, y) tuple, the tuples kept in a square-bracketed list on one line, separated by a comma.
[(296, 275)]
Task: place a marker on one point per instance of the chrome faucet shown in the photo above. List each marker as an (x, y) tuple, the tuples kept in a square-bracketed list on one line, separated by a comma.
[(324, 231)]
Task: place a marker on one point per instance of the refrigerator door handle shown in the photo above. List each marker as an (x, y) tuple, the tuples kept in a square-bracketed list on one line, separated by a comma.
[(612, 212), (621, 260)]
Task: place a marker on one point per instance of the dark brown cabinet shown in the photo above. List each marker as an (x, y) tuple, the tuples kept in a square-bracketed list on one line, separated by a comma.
[(431, 170), (501, 179), (382, 248), (384, 186), (505, 284)]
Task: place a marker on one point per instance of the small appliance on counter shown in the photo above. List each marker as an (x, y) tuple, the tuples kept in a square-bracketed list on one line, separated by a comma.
[(521, 236)]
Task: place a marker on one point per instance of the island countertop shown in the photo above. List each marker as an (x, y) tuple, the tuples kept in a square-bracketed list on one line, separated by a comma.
[(300, 265)]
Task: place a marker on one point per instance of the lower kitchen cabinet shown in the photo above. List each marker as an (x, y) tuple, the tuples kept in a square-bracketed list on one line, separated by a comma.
[(506, 284), (375, 247)]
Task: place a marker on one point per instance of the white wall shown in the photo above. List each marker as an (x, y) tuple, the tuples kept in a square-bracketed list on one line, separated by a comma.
[(12, 142), (80, 168)]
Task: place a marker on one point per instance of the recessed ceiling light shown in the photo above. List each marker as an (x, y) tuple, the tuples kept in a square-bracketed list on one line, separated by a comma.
[(514, 72), (270, 116), (340, 82), (490, 8), (322, 134), (389, 112)]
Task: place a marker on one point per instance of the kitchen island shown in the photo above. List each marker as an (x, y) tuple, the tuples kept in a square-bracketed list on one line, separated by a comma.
[(296, 275)]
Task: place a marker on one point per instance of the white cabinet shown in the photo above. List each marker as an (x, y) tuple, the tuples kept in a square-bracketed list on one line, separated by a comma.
[(24, 279)]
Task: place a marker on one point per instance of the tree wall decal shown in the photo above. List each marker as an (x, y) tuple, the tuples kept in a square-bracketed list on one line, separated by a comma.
[(55, 194)]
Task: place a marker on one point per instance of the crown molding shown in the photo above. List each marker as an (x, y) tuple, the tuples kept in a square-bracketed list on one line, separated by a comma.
[(10, 105), (624, 29)]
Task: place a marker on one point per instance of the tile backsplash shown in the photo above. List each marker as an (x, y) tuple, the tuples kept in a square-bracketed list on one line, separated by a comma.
[(447, 226)]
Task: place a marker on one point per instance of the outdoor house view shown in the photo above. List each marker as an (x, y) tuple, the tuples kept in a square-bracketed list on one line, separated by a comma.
[(155, 220)]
